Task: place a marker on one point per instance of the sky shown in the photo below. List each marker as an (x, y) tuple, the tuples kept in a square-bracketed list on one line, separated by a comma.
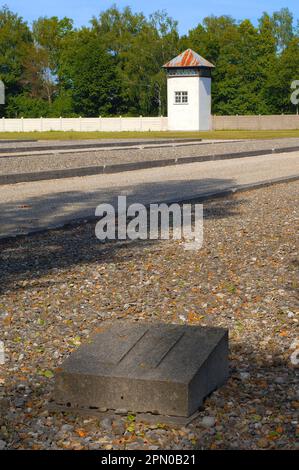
[(188, 12)]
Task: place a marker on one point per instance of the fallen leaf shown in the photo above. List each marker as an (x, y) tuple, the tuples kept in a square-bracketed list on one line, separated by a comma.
[(81, 432), (48, 373)]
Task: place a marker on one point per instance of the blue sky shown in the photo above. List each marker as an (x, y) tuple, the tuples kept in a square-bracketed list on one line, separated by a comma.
[(187, 12)]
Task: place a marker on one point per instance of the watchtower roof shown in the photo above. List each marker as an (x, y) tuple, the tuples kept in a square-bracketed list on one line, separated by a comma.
[(188, 58)]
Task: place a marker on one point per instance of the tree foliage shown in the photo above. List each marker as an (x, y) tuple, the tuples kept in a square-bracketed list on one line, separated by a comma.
[(113, 66)]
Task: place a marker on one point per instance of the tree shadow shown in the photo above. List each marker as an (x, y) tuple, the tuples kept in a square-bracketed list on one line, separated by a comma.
[(54, 209), (32, 256)]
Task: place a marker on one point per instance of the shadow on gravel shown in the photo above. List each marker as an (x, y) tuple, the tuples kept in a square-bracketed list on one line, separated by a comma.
[(42, 211), (257, 395), (30, 257)]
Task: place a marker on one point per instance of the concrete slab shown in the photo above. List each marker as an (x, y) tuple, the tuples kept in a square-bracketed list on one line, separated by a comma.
[(149, 418), (159, 369)]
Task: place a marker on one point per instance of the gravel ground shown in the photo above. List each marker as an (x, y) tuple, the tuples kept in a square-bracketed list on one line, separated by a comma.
[(35, 163), (58, 287), (69, 143)]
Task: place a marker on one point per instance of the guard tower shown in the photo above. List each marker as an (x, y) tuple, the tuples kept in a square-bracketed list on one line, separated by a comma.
[(189, 92)]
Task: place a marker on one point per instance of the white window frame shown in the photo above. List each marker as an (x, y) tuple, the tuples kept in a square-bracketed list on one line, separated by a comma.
[(181, 97)]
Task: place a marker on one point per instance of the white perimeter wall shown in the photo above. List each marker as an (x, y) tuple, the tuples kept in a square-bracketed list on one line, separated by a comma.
[(275, 122), (85, 124)]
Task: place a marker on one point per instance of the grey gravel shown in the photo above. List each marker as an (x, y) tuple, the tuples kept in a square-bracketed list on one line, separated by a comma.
[(55, 285), (35, 163)]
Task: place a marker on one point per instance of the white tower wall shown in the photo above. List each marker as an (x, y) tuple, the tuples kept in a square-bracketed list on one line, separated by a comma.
[(194, 115), (205, 119)]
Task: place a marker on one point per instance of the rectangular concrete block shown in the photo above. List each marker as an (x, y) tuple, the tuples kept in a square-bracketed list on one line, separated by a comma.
[(145, 368)]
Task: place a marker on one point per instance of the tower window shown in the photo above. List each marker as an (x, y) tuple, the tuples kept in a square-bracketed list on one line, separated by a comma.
[(181, 97)]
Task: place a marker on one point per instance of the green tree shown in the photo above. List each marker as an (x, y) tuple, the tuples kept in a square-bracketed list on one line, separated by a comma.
[(243, 55), (278, 87), (283, 27), (37, 78), (88, 75), (49, 34), (15, 37), (143, 80), (42, 61), (140, 47), (23, 105), (114, 66)]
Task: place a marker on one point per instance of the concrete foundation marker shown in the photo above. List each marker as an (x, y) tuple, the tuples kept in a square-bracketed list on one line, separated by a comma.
[(160, 370)]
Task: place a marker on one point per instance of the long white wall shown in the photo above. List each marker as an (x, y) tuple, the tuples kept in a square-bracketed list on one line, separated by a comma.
[(84, 124), (274, 122)]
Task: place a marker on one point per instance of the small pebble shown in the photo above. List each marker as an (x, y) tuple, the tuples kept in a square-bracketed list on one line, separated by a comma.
[(208, 421), (2, 444), (106, 424)]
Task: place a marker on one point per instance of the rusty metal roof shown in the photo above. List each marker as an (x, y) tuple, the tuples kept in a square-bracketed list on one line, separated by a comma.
[(188, 58)]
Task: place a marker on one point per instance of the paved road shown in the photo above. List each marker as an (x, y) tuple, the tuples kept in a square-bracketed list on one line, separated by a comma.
[(27, 207)]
